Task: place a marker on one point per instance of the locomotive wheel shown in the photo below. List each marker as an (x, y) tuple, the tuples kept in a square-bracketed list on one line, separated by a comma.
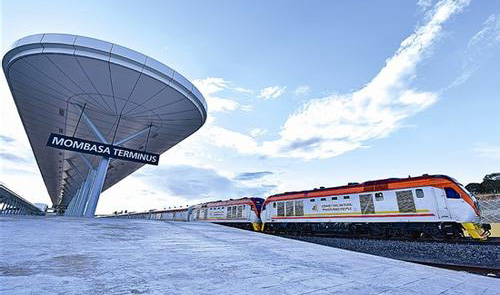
[(437, 234)]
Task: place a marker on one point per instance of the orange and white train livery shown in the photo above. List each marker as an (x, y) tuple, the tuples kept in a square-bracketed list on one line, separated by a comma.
[(430, 205)]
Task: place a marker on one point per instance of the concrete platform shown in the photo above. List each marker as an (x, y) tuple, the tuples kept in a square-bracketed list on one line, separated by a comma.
[(113, 256)]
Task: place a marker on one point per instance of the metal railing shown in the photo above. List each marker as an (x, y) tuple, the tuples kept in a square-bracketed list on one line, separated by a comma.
[(490, 208), (13, 204)]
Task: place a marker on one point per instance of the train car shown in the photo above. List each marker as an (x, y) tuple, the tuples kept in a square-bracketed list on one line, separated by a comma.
[(434, 206), (180, 214), (241, 213)]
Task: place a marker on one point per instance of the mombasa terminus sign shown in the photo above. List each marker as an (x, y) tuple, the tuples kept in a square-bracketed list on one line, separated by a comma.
[(100, 149)]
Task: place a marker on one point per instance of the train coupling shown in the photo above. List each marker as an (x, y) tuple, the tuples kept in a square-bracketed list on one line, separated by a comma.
[(477, 231)]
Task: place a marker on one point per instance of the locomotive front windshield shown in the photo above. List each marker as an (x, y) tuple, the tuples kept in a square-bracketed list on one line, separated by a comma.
[(471, 195)]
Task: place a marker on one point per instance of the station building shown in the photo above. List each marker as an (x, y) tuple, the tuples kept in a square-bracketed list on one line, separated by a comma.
[(95, 112)]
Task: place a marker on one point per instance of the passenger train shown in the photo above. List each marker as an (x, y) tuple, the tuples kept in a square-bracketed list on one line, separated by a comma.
[(434, 206), (242, 213)]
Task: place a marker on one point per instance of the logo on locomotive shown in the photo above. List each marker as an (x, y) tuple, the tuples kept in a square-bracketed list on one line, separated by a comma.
[(337, 207)]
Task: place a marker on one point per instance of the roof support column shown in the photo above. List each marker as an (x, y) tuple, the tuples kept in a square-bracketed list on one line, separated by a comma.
[(98, 182), (71, 206), (87, 185), (77, 198)]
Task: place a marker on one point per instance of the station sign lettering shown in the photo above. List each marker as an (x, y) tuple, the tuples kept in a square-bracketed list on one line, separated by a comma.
[(100, 149)]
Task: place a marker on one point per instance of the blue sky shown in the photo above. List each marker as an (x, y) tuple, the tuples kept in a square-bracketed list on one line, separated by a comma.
[(301, 94)]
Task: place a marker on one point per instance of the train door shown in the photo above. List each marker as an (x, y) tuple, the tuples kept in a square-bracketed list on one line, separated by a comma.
[(266, 213), (205, 213), (442, 206)]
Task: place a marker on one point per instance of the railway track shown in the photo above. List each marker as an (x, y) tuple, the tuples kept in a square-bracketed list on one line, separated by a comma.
[(478, 257), (491, 240), (485, 271)]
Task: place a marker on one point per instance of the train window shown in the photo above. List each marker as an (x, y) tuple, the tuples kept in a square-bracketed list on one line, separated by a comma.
[(289, 208), (323, 199), (346, 197), (281, 209), (334, 198), (379, 196), (419, 192), (312, 200), (274, 205), (451, 193), (299, 208)]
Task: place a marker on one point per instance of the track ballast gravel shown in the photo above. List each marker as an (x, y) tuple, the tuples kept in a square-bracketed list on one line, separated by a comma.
[(454, 253)]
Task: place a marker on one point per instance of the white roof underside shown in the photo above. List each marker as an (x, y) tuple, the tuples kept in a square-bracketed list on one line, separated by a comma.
[(49, 74)]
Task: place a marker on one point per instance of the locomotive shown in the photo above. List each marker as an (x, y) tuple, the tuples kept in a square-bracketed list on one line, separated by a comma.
[(241, 213), (433, 206)]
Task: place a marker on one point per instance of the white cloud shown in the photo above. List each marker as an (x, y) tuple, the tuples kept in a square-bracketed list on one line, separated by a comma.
[(272, 92), (480, 47), (488, 151), (246, 107), (257, 132), (185, 185), (424, 4), (211, 85), (242, 90), (336, 124), (217, 104), (223, 137), (301, 90)]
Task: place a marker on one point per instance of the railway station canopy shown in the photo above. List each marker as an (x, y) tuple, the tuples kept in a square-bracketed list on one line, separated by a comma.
[(95, 112)]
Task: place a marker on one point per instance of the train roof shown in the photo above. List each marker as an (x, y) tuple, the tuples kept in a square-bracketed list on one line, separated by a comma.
[(371, 184), (168, 210), (231, 202)]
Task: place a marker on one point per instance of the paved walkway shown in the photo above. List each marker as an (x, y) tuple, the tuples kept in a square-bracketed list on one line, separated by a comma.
[(113, 256)]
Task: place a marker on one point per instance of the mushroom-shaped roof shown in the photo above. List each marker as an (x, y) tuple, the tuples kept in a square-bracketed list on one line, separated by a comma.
[(53, 76)]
